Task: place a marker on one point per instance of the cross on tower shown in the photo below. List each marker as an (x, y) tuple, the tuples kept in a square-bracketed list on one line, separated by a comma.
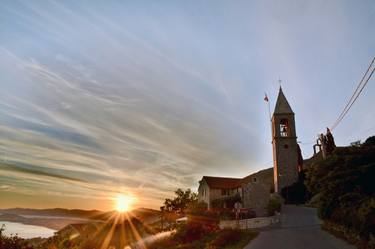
[(279, 82)]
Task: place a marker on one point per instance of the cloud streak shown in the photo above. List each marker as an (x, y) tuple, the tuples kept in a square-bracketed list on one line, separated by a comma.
[(139, 98)]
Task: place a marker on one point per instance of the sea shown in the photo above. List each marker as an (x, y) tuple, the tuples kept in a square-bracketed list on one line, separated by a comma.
[(26, 231)]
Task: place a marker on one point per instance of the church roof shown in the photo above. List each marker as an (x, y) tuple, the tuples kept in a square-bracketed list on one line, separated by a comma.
[(282, 105), (222, 182)]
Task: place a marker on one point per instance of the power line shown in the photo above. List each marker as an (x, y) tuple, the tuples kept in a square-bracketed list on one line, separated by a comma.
[(355, 92), (355, 95), (358, 94)]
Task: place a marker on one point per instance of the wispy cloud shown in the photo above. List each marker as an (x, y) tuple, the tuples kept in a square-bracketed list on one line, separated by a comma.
[(98, 99)]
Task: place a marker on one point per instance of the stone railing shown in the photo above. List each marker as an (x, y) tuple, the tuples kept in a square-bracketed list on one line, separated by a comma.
[(249, 223)]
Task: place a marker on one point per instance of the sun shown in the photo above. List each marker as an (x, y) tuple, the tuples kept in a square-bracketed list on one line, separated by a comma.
[(123, 203)]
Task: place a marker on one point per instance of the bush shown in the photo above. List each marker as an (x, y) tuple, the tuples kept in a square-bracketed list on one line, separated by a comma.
[(228, 201), (12, 242), (196, 207), (273, 206), (225, 238), (190, 232), (370, 141), (296, 193), (229, 238)]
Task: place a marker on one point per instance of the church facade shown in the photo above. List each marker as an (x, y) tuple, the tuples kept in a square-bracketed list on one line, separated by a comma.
[(255, 190)]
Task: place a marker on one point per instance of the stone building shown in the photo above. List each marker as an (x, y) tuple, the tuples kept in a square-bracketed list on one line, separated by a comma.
[(255, 189), (219, 188), (287, 159)]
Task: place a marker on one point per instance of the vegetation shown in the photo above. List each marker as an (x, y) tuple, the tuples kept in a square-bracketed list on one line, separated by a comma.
[(194, 236), (118, 233), (228, 201), (12, 242), (344, 181), (181, 202), (296, 193), (202, 227), (273, 206)]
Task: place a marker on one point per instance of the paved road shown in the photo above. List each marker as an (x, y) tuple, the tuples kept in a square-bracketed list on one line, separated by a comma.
[(299, 229)]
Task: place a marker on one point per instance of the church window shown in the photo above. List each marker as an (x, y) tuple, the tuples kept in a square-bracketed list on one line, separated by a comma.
[(255, 179), (284, 127)]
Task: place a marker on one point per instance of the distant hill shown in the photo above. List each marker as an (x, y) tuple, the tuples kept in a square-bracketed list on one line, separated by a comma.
[(48, 222), (79, 213), (58, 218), (76, 213)]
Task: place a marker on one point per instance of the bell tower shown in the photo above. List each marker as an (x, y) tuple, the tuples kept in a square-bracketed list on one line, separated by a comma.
[(284, 143)]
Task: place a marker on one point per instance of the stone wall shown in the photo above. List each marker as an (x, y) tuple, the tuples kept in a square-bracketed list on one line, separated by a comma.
[(249, 223), (256, 191), (204, 193)]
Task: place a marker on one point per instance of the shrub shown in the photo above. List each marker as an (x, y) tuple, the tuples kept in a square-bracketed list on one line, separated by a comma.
[(273, 206), (12, 242), (228, 201), (190, 232), (296, 193), (226, 237), (196, 207), (370, 141)]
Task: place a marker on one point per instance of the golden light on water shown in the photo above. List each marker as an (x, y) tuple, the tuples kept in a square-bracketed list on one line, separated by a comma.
[(123, 203)]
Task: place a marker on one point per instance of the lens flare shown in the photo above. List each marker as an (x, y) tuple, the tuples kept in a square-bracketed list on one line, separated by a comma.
[(123, 203)]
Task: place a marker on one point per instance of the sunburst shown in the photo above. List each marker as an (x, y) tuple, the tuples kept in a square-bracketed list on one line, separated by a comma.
[(123, 203)]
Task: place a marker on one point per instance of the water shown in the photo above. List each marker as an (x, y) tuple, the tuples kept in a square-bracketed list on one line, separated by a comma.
[(26, 231)]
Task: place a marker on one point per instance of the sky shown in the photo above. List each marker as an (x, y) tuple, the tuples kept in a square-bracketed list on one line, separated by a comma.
[(101, 98)]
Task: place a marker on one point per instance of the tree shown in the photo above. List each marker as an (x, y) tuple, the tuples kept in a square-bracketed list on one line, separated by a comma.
[(370, 141), (180, 203)]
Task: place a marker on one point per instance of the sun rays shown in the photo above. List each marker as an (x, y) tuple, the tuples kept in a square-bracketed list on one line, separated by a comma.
[(123, 203), (123, 219)]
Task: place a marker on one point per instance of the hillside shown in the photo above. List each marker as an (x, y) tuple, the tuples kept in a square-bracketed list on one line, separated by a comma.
[(117, 232), (345, 183)]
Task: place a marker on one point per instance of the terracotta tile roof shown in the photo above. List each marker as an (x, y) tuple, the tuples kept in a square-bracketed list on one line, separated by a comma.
[(222, 182)]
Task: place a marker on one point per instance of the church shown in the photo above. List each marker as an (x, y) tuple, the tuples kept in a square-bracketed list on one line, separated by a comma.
[(255, 190)]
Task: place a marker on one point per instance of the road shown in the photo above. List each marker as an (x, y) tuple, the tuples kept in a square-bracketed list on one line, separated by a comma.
[(299, 229)]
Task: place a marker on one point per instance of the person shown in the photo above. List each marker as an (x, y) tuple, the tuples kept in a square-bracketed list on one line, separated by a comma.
[(237, 209)]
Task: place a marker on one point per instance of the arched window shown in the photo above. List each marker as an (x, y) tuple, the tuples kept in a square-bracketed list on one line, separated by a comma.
[(284, 127)]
